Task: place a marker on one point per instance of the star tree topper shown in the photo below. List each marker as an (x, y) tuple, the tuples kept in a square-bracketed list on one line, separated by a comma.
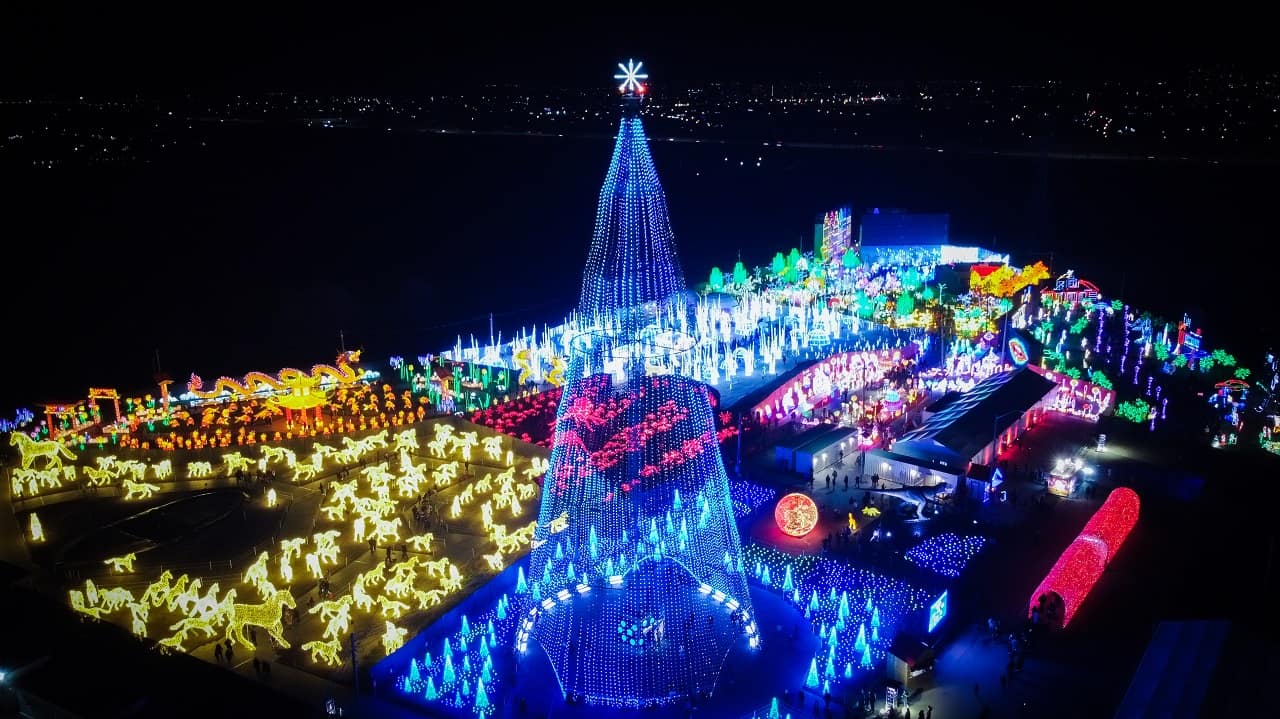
[(631, 77)]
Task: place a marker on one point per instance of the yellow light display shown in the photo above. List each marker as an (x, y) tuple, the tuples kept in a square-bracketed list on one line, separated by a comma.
[(50, 450), (139, 490), (422, 542), (313, 565), (286, 570), (197, 470), (329, 652), (266, 615), (271, 497), (292, 548), (91, 592), (163, 470), (98, 477), (35, 529), (495, 561), (393, 638), (158, 590), (453, 582), (114, 598), (463, 444), (256, 574), (870, 511), (428, 598), (78, 604), (391, 608), (407, 440)]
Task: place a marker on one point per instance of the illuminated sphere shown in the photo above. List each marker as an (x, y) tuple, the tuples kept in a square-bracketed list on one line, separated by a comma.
[(796, 514)]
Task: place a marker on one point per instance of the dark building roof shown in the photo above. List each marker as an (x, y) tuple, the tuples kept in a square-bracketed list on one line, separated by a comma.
[(943, 402), (970, 422), (899, 229), (804, 438), (924, 453), (1176, 672)]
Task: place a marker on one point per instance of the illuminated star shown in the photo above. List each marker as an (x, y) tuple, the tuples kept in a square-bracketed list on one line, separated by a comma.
[(631, 77)]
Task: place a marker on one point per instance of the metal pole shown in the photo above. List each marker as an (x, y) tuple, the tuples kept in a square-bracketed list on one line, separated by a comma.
[(355, 671)]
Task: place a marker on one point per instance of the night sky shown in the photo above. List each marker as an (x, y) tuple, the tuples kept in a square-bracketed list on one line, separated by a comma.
[(114, 49)]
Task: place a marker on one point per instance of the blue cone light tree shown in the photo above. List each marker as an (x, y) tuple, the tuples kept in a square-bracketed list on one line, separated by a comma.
[(636, 528)]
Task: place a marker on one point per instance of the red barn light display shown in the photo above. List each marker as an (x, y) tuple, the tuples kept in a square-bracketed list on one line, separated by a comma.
[(1072, 577), (796, 514)]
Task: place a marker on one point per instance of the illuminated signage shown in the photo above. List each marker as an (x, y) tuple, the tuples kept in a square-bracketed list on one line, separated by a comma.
[(1018, 351), (937, 611)]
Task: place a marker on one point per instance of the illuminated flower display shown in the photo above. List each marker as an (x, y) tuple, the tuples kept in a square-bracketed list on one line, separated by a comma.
[(796, 514)]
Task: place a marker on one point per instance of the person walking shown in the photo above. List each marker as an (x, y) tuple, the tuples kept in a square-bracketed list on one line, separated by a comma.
[(217, 653)]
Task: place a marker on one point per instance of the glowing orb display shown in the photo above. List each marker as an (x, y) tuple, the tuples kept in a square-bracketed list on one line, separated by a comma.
[(796, 514)]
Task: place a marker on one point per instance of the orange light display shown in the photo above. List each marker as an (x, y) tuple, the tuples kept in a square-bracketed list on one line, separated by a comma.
[(796, 514)]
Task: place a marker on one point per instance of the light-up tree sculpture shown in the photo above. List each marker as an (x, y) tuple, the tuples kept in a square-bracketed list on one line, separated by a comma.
[(650, 540)]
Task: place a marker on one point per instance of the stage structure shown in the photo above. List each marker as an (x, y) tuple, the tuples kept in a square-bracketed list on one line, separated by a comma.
[(636, 577)]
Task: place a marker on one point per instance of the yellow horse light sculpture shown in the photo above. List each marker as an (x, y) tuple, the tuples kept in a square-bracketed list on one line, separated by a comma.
[(393, 638), (329, 652), (197, 470), (121, 565), (30, 449), (266, 615)]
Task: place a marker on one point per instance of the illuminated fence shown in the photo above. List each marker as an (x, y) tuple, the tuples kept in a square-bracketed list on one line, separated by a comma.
[(1081, 565)]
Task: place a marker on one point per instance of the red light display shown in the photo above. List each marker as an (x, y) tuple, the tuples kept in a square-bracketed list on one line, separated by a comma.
[(796, 514), (1081, 565), (1114, 519)]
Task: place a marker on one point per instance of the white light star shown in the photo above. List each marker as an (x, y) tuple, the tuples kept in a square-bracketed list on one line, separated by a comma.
[(631, 76)]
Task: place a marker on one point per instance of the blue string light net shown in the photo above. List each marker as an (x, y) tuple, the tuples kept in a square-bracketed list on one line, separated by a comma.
[(636, 587)]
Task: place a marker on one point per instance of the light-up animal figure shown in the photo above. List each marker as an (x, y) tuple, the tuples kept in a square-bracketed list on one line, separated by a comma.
[(256, 575), (114, 598), (313, 565), (163, 470), (292, 548), (493, 447), (286, 570), (197, 470), (278, 454), (139, 490), (422, 542), (139, 612), (305, 472), (175, 593), (78, 604), (326, 546), (391, 608), (527, 490), (464, 442), (436, 568), (189, 596), (98, 477), (271, 497), (158, 590), (445, 473), (495, 561), (266, 615), (407, 440), (35, 529), (329, 652), (428, 598), (205, 607), (393, 638), (235, 461), (30, 449), (121, 565), (453, 582)]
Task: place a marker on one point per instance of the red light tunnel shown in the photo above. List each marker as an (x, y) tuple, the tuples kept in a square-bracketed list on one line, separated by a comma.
[(1081, 565)]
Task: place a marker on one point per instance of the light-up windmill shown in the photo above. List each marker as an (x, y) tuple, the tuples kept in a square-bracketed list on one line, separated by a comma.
[(631, 77)]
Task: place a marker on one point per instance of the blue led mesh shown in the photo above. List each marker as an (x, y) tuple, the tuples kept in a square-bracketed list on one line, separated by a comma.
[(634, 600), (633, 258)]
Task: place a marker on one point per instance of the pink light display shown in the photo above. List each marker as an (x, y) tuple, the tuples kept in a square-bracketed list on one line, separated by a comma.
[(1082, 563), (1114, 519)]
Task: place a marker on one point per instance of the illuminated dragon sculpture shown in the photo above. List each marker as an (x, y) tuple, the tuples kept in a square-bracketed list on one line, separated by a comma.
[(295, 389)]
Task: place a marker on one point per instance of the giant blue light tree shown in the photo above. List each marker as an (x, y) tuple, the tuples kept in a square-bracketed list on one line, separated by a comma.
[(636, 570)]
